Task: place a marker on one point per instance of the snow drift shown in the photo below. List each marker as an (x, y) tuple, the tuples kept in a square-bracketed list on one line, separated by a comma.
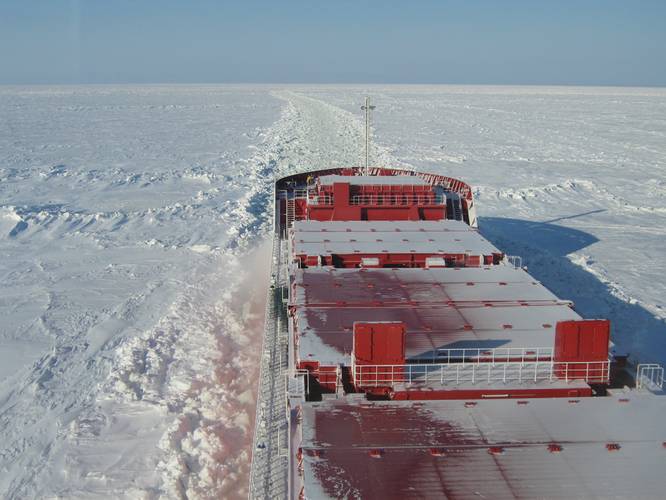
[(133, 224)]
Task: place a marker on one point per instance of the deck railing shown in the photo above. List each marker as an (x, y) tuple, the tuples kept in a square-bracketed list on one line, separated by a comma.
[(650, 376), (406, 199), (473, 373), (516, 261), (496, 355), (322, 199), (284, 194), (382, 200)]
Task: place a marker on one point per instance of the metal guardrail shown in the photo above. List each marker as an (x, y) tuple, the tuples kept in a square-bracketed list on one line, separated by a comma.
[(298, 383), (270, 462), (395, 200), (320, 200), (650, 376), (516, 261), (284, 194), (290, 196), (473, 373), (495, 355)]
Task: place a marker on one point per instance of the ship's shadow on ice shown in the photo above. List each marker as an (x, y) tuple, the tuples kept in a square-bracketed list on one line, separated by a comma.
[(544, 247), (542, 237)]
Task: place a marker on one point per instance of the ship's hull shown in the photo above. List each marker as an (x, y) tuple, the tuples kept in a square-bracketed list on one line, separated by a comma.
[(405, 356)]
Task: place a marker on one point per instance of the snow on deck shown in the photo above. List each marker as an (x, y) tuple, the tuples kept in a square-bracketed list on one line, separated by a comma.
[(372, 180), (381, 287), (406, 237), (448, 308), (325, 334), (492, 449), (379, 226)]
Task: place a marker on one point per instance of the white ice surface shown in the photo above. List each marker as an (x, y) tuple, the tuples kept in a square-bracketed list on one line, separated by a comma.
[(128, 334), (133, 269)]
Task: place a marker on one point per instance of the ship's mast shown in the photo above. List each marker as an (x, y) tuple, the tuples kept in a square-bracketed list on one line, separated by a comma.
[(367, 108)]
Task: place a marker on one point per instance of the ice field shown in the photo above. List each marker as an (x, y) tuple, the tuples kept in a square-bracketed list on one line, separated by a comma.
[(134, 257)]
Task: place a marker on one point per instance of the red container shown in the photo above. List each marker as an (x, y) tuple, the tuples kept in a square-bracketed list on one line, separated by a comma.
[(377, 344), (581, 350), (585, 340)]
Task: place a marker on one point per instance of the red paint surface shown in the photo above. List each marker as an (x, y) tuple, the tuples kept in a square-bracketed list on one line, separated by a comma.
[(585, 340), (365, 445), (343, 201), (379, 343)]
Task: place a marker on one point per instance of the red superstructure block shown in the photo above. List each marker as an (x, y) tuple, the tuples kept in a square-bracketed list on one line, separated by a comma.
[(342, 209), (381, 343), (581, 349), (347, 201), (584, 340), (378, 353), (341, 194)]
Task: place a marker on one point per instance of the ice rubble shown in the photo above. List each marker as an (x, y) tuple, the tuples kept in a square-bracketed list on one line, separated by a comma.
[(133, 224)]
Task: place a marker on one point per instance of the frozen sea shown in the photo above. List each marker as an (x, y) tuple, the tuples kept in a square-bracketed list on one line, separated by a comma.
[(134, 257)]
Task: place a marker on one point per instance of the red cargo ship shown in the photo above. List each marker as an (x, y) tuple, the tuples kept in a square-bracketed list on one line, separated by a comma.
[(405, 356)]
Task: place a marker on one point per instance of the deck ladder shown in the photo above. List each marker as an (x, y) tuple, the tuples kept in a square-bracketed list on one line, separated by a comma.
[(453, 206), (291, 211)]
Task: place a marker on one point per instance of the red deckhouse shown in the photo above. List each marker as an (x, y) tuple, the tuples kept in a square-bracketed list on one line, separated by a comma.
[(412, 344)]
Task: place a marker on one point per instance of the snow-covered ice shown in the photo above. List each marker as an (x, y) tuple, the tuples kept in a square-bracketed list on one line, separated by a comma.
[(133, 224)]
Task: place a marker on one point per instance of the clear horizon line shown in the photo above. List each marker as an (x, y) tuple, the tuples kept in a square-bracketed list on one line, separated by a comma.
[(351, 83)]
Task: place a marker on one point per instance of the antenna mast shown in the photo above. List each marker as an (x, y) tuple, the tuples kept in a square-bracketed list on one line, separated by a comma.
[(367, 108)]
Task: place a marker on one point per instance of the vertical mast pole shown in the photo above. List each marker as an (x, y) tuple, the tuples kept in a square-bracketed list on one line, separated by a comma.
[(367, 108), (367, 135)]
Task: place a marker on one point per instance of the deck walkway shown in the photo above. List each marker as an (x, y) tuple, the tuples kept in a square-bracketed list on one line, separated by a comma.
[(270, 457)]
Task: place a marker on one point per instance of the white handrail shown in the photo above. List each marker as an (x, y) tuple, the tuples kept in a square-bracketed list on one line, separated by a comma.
[(380, 200), (494, 355), (650, 375), (397, 199), (459, 373), (516, 261)]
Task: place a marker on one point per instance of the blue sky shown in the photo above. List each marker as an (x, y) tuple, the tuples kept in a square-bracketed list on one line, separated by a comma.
[(587, 42)]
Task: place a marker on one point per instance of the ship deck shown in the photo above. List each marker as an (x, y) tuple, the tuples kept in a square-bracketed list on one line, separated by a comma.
[(451, 237), (405, 356), (612, 447), (445, 310), (395, 180)]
